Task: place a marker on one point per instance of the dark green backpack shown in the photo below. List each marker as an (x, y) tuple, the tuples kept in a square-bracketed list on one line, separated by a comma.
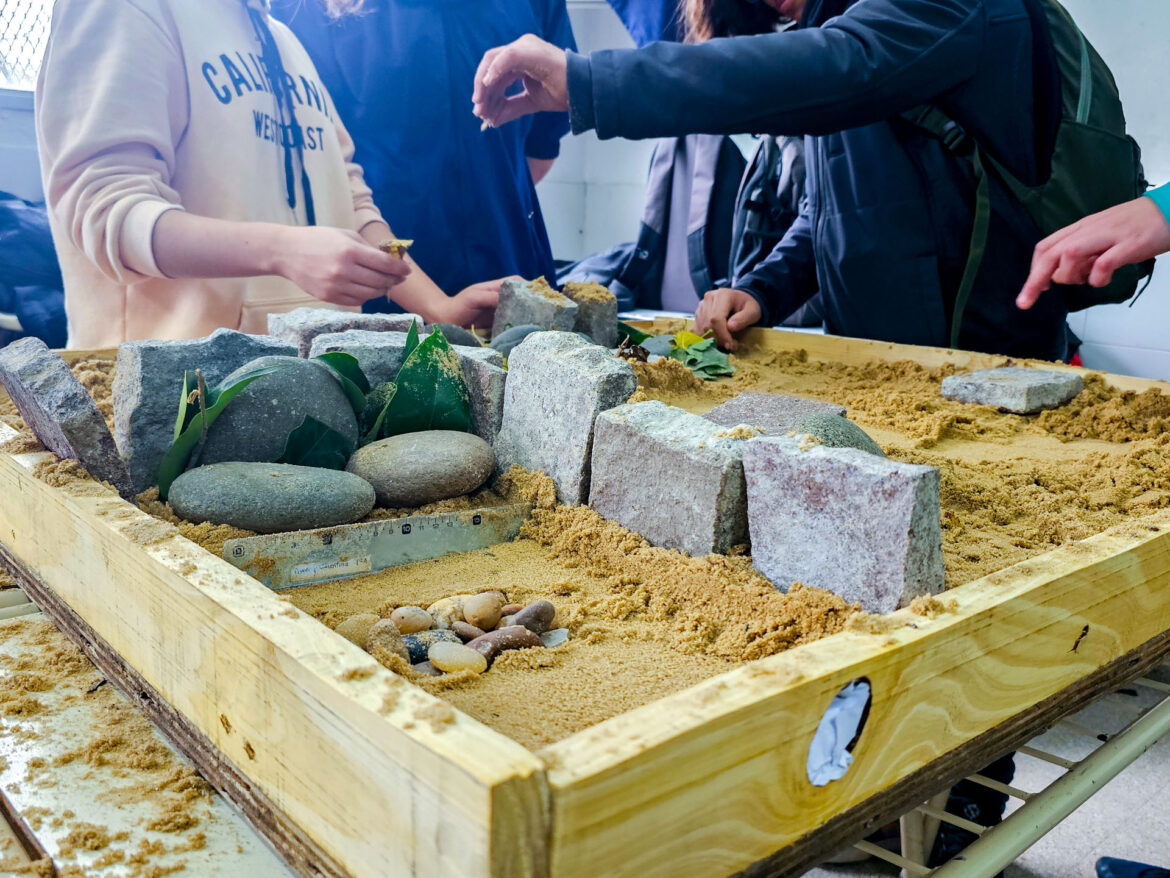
[(1095, 164)]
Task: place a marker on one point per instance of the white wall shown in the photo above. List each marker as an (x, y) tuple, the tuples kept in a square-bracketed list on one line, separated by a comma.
[(593, 197)]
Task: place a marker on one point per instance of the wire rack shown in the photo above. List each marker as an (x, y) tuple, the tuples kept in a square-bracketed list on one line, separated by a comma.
[(24, 30)]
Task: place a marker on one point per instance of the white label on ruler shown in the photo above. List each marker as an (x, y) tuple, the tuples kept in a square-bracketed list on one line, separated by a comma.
[(315, 570)]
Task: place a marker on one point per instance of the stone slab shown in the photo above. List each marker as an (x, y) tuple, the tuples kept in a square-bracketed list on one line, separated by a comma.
[(486, 377), (668, 475), (148, 379), (597, 312), (302, 325), (533, 302), (862, 526), (558, 384), (770, 413), (380, 354), (60, 411), (1014, 389)]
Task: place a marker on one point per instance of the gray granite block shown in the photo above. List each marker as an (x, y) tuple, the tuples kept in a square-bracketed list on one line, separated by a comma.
[(1023, 391), (862, 526), (533, 302), (60, 411), (770, 413), (597, 312), (558, 383), (668, 474), (486, 377), (149, 378), (301, 326), (380, 354)]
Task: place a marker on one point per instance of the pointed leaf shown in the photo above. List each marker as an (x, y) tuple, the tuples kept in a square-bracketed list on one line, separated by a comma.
[(181, 420), (316, 444), (345, 369), (411, 340), (686, 339), (176, 458), (432, 394)]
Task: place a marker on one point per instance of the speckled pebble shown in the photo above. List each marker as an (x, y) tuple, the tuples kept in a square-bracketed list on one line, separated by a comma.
[(356, 629), (536, 617), (448, 611), (384, 641), (411, 620), (467, 631), (452, 658), (484, 610), (512, 637), (418, 644)]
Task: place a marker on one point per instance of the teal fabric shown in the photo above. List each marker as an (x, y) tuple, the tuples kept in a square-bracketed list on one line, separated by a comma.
[(1161, 197)]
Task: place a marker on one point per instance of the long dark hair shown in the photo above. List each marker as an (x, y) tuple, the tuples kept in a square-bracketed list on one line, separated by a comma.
[(708, 19)]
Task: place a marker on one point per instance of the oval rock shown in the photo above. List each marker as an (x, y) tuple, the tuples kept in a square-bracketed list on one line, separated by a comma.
[(414, 469), (447, 611), (466, 631), (356, 629), (509, 338), (258, 421), (452, 658), (411, 620), (270, 497), (484, 610), (494, 642), (418, 644), (536, 617)]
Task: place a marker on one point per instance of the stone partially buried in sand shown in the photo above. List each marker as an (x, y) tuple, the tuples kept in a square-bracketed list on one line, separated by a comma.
[(301, 326), (597, 312), (526, 302), (835, 431), (1023, 391), (256, 424), (60, 411), (772, 413), (270, 497), (414, 469)]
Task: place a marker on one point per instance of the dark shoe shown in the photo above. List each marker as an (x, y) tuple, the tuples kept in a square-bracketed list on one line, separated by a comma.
[(973, 802), (1107, 867)]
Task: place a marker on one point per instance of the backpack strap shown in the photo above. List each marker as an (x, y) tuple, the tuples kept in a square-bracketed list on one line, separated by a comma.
[(959, 143)]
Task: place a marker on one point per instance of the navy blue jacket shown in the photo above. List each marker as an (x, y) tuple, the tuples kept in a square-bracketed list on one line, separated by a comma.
[(886, 231), (400, 74)]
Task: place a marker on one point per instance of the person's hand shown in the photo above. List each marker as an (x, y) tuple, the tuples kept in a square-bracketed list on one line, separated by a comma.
[(336, 265), (475, 305), (724, 312), (541, 67), (1090, 251)]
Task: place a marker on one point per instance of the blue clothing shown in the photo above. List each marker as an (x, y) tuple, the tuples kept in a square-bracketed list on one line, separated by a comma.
[(1161, 197), (886, 231), (650, 20), (401, 74)]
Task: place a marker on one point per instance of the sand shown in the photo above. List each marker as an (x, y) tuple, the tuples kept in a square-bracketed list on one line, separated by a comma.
[(646, 622)]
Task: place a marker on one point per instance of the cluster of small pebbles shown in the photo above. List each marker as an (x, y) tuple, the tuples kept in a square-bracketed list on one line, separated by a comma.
[(464, 632)]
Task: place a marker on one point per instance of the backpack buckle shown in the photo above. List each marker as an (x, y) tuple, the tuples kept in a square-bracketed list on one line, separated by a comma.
[(955, 138)]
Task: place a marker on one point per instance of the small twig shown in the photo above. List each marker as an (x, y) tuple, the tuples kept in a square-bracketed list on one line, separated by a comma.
[(96, 686), (201, 388)]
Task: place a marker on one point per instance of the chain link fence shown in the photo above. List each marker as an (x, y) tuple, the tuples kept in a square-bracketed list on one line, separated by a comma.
[(24, 29)]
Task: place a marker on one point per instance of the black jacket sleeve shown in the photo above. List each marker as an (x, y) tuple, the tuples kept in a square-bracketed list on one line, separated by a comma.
[(880, 58), (787, 277)]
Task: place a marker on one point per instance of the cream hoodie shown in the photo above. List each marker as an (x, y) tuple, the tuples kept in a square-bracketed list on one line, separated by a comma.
[(145, 106)]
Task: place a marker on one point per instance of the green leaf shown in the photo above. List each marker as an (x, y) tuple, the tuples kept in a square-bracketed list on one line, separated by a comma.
[(411, 340), (315, 444), (177, 456), (636, 336), (344, 367), (704, 359), (377, 405), (181, 420), (432, 394)]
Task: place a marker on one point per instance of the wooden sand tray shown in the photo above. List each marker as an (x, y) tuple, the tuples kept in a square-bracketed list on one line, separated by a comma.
[(351, 770)]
